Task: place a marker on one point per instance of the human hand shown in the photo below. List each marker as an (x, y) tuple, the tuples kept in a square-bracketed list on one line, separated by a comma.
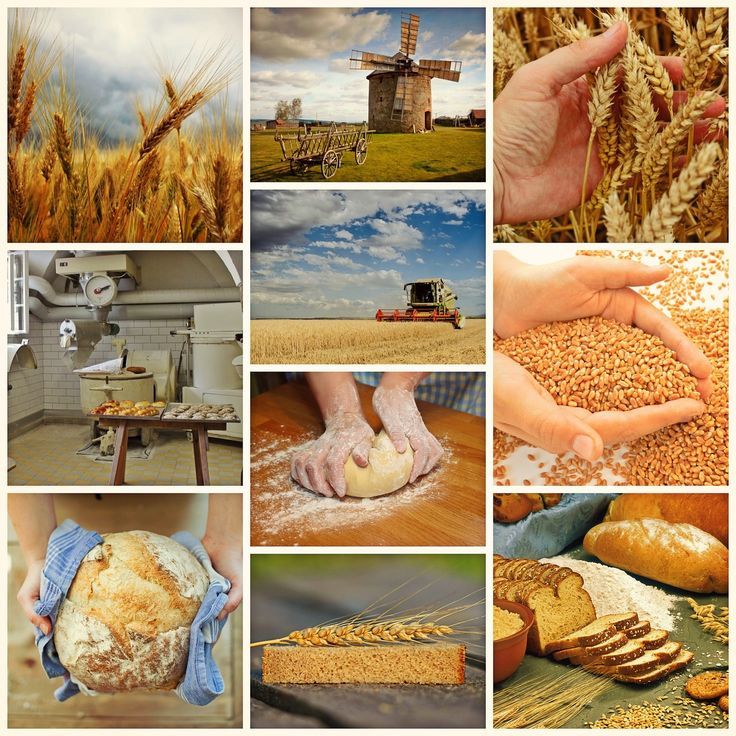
[(524, 409), (541, 129), (29, 593), (585, 286), (402, 421), (321, 466), (227, 559)]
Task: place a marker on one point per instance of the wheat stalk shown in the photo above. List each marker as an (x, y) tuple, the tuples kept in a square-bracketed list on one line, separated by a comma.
[(666, 213), (657, 75), (14, 86), (667, 139), (16, 192), (618, 223), (639, 114), (63, 145), (171, 121), (23, 118)]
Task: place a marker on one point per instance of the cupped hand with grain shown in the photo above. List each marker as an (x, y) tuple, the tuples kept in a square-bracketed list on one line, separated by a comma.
[(393, 401), (527, 296), (542, 128)]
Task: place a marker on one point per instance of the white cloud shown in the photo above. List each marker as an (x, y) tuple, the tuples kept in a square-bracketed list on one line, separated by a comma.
[(447, 246), (344, 234), (480, 264), (452, 222), (470, 48), (311, 33), (420, 260), (298, 79)]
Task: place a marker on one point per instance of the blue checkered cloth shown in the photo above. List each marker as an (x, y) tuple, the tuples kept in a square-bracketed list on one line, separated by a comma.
[(461, 391), (68, 545)]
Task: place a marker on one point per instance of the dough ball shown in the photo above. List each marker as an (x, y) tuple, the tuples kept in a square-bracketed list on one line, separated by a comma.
[(386, 472)]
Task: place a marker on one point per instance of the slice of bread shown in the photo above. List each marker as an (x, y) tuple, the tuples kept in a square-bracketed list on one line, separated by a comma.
[(638, 629), (621, 620), (682, 660), (592, 633), (654, 638), (629, 651), (667, 652), (647, 661)]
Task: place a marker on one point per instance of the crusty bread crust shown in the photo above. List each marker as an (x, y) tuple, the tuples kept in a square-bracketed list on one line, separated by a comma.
[(124, 624)]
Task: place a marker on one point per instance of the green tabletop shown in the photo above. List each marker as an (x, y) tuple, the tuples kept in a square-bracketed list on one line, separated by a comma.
[(709, 654)]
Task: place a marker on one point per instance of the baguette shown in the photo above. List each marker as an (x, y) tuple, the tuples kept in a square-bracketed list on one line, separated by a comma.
[(680, 555)]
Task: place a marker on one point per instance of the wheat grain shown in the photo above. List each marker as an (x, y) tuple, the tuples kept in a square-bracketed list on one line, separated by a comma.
[(639, 112), (14, 87), (371, 633), (713, 202), (63, 145), (16, 193), (657, 75), (48, 160), (666, 213), (23, 119)]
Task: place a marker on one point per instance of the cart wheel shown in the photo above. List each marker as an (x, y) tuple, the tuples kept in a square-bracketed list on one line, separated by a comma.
[(298, 168), (330, 162), (361, 152)]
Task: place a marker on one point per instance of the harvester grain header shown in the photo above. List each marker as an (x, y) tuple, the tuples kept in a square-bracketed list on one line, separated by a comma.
[(427, 300)]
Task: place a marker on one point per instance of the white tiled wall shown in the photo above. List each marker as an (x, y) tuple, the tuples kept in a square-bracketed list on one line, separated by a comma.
[(58, 387), (26, 396)]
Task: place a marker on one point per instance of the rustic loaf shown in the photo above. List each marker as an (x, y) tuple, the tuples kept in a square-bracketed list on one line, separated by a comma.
[(707, 511), (680, 555), (124, 624)]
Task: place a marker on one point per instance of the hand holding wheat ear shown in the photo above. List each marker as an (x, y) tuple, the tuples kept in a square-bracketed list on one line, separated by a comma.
[(550, 123)]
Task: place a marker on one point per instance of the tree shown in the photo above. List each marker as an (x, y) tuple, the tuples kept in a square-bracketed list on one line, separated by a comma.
[(286, 110)]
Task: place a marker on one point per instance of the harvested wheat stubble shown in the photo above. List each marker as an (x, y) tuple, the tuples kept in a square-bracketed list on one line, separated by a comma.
[(640, 152), (600, 365), (415, 664)]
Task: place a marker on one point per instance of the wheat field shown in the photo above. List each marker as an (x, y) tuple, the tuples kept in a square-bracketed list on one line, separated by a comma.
[(181, 180), (658, 182), (364, 341)]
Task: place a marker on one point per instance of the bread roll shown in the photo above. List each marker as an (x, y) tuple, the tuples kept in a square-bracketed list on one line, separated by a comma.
[(707, 511), (676, 554), (124, 624)]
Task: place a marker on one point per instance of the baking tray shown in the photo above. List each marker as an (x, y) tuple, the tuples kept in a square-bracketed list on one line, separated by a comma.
[(174, 405), (117, 416)]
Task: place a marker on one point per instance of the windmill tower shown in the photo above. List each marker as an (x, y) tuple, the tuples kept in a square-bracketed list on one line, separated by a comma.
[(400, 89)]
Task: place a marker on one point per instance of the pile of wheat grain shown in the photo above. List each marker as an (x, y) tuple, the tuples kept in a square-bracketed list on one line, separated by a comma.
[(171, 185), (658, 185), (691, 453)]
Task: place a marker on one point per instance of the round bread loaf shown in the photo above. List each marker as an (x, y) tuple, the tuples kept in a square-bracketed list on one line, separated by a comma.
[(124, 624)]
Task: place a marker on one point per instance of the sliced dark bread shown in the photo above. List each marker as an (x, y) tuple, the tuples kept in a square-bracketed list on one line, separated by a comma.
[(644, 663), (578, 655), (500, 590), (511, 592), (682, 660), (593, 633), (499, 569), (558, 612), (654, 639), (526, 566), (545, 571), (638, 629)]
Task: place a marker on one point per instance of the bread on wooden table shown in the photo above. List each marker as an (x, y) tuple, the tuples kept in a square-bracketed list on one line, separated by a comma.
[(707, 511), (124, 624), (680, 555), (404, 664)]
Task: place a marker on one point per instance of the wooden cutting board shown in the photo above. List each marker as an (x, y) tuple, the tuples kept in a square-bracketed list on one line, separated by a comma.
[(447, 507)]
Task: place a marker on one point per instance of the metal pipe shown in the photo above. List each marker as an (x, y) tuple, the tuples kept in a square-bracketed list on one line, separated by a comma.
[(123, 312), (151, 296)]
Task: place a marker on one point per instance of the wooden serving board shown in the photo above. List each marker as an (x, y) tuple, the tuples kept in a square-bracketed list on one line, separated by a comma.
[(447, 507)]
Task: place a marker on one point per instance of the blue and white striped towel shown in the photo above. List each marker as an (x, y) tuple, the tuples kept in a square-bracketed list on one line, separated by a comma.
[(68, 545)]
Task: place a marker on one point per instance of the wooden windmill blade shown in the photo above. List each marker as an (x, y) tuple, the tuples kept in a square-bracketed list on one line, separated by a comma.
[(368, 60), (440, 69), (409, 33)]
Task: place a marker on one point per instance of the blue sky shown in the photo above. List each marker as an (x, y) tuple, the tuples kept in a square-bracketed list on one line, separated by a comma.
[(304, 52), (332, 253)]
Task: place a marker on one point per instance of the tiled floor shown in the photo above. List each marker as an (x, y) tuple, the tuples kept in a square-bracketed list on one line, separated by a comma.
[(46, 456)]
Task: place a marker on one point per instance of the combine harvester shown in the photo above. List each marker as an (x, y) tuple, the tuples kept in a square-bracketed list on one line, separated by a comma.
[(427, 300)]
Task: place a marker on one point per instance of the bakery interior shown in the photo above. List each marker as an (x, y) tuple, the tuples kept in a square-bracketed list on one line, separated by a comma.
[(146, 331), (614, 606), (30, 694)]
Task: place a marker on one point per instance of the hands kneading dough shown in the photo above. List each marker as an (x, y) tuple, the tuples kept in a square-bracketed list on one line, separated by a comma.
[(386, 472)]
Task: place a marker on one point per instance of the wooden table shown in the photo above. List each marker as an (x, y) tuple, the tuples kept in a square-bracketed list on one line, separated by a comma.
[(284, 598), (123, 425), (453, 514)]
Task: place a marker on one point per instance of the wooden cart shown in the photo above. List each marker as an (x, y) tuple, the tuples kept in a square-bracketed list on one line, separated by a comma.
[(324, 148)]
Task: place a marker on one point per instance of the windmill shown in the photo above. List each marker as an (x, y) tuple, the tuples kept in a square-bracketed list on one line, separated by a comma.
[(400, 89)]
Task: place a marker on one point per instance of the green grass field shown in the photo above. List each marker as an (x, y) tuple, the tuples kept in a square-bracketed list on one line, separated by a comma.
[(449, 154)]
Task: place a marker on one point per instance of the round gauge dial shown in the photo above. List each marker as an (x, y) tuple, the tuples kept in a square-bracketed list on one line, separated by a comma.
[(100, 290)]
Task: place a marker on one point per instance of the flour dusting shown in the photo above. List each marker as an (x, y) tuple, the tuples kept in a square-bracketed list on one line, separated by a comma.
[(283, 507)]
